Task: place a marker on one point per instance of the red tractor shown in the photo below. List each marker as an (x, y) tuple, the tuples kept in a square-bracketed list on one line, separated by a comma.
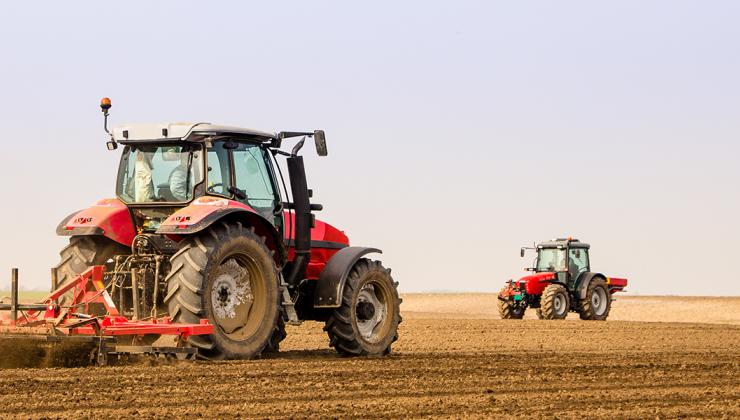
[(562, 281), (204, 231)]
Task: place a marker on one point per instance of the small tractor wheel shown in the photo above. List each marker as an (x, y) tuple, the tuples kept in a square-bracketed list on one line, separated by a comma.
[(81, 253), (555, 302), (367, 322), (597, 303), (510, 310), (228, 276)]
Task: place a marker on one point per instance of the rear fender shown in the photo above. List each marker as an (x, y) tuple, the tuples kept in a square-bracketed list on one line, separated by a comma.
[(205, 211), (328, 294), (108, 217), (584, 280)]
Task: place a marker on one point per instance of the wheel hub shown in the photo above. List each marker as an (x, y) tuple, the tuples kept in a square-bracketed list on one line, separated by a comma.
[(231, 296), (559, 304), (370, 311), (598, 301), (365, 311)]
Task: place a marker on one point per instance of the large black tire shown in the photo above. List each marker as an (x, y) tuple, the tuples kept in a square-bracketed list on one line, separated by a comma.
[(227, 275), (509, 310), (83, 252), (367, 322), (555, 302), (597, 303)]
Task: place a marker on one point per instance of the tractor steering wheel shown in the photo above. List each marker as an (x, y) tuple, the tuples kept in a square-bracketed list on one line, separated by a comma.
[(211, 187)]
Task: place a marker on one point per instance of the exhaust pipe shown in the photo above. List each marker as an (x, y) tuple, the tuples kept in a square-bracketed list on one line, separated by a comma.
[(303, 219)]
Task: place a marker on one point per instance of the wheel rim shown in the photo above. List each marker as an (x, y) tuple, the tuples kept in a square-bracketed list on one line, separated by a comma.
[(559, 304), (237, 296), (371, 311), (598, 301)]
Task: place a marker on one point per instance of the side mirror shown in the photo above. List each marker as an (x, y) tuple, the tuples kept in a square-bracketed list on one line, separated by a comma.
[(111, 145), (320, 140), (521, 252)]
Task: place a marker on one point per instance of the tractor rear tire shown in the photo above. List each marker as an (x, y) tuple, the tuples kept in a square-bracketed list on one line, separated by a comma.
[(555, 302), (367, 322), (509, 310), (597, 303), (539, 313), (81, 253), (228, 276)]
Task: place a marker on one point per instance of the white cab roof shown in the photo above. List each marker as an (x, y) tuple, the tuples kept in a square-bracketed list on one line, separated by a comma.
[(180, 131)]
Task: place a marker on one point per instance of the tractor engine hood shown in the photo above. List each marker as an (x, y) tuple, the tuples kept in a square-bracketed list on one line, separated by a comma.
[(534, 284)]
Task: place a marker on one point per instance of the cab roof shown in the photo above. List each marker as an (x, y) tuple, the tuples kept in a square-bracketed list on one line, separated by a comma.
[(184, 131), (563, 242)]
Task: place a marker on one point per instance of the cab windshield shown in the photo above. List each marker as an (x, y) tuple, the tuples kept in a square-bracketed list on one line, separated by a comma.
[(159, 173), (551, 259)]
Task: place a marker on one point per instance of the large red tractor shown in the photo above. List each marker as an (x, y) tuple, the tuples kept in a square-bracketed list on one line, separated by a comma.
[(204, 228), (561, 282)]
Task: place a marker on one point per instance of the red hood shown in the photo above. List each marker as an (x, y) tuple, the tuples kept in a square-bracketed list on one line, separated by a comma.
[(535, 283)]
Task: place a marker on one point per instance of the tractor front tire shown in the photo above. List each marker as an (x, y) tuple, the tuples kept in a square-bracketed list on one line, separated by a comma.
[(367, 322), (227, 275), (510, 310), (555, 302), (539, 313), (597, 303)]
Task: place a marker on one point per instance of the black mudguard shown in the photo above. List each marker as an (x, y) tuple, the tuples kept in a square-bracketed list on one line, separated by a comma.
[(328, 294), (584, 280)]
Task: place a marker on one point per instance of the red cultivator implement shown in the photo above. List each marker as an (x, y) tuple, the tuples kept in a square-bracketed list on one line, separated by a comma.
[(83, 312)]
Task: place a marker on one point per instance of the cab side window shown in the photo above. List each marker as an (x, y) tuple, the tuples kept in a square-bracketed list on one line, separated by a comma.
[(578, 262), (219, 174), (253, 178)]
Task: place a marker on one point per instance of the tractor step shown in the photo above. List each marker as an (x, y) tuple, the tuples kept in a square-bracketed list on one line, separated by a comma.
[(288, 304)]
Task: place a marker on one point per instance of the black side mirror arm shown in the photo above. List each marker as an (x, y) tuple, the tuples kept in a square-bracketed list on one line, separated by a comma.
[(237, 193)]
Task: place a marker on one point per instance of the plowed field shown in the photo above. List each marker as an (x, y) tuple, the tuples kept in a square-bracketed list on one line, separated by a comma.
[(442, 365)]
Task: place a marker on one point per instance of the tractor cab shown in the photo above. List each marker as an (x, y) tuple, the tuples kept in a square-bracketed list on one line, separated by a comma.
[(165, 167), (567, 258)]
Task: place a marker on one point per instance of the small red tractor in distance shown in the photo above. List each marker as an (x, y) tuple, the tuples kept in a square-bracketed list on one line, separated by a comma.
[(562, 281), (204, 233)]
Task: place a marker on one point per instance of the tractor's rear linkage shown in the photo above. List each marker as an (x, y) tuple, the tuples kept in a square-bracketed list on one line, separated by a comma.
[(51, 322)]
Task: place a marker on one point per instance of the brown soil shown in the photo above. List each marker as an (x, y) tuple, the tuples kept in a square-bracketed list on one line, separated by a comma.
[(441, 367), (715, 310)]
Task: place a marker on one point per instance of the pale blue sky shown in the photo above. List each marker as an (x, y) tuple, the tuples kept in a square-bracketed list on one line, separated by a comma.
[(457, 131)]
